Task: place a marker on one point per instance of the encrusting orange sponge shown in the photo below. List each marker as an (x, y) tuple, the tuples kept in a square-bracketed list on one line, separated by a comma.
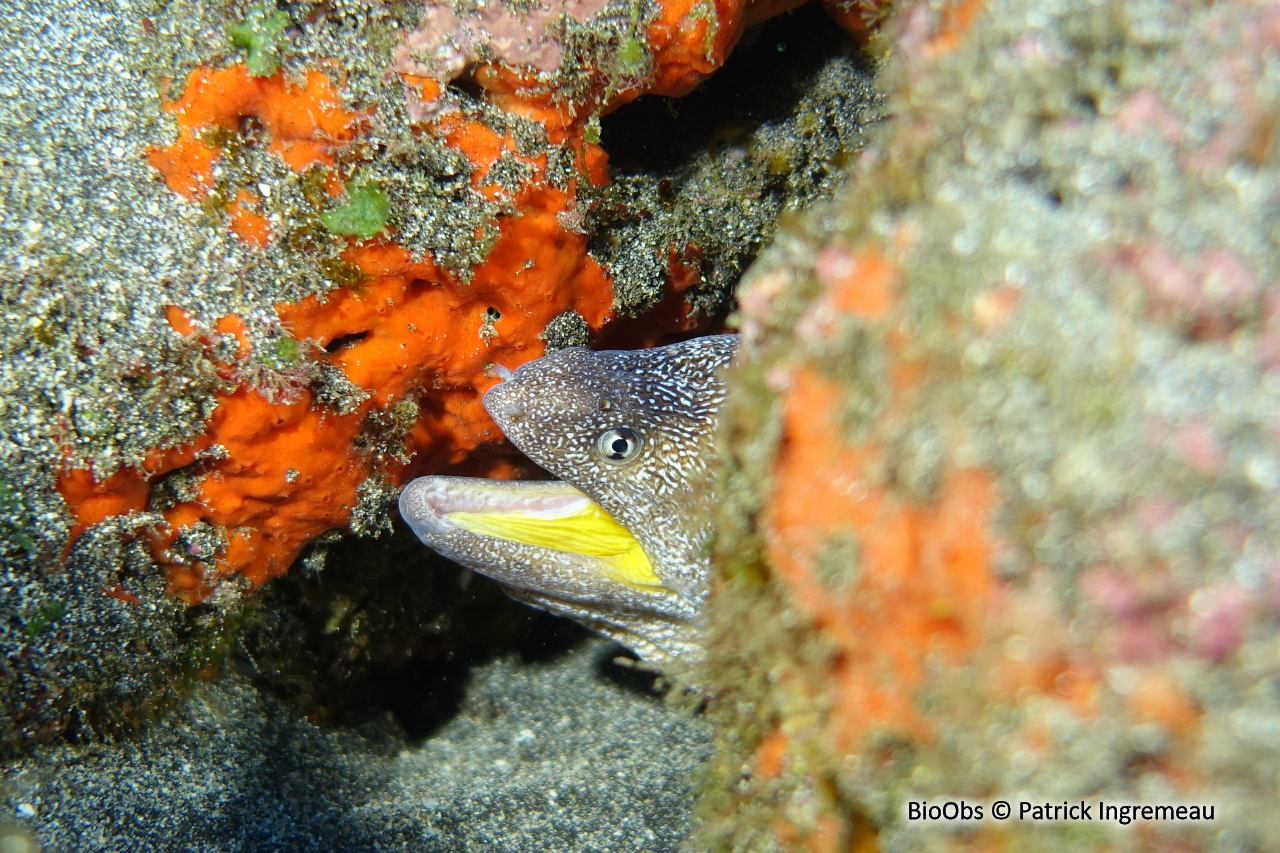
[(290, 469), (924, 569), (305, 123)]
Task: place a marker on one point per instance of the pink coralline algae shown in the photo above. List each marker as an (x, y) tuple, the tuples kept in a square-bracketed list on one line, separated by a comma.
[(1211, 294), (446, 43), (1219, 617)]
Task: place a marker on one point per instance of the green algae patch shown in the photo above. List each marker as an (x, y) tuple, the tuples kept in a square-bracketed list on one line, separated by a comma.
[(47, 615), (364, 215), (633, 57), (286, 351), (12, 512), (261, 36)]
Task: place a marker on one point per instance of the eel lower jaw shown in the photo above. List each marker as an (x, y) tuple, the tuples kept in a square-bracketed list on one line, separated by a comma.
[(542, 514)]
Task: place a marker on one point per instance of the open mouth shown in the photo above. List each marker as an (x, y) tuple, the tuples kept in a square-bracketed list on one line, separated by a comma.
[(552, 515)]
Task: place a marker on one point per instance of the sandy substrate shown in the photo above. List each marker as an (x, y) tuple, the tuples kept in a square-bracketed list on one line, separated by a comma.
[(567, 755)]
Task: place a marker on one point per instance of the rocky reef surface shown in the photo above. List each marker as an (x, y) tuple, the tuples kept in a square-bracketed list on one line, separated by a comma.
[(1004, 451), (1005, 474), (256, 264), (260, 260)]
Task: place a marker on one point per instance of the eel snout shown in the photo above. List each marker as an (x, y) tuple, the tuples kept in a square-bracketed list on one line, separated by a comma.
[(503, 528)]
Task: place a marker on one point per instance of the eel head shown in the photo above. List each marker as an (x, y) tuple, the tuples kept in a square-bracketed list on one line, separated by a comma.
[(620, 541)]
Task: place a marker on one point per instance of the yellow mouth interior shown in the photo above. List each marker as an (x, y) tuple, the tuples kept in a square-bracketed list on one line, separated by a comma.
[(586, 530)]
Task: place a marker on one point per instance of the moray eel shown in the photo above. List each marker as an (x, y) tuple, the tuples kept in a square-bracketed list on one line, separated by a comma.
[(620, 542)]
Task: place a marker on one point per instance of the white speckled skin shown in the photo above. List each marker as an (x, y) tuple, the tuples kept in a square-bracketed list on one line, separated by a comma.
[(554, 409)]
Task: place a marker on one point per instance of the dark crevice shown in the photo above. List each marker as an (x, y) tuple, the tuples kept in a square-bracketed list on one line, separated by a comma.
[(344, 341), (347, 640), (467, 88), (699, 183), (762, 81)]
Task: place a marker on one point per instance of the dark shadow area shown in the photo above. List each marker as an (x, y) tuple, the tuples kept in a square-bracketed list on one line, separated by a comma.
[(668, 322), (698, 184), (763, 81), (622, 667), (386, 627), (344, 341)]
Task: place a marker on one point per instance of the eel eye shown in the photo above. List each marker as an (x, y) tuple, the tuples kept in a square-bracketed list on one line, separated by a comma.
[(618, 445)]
